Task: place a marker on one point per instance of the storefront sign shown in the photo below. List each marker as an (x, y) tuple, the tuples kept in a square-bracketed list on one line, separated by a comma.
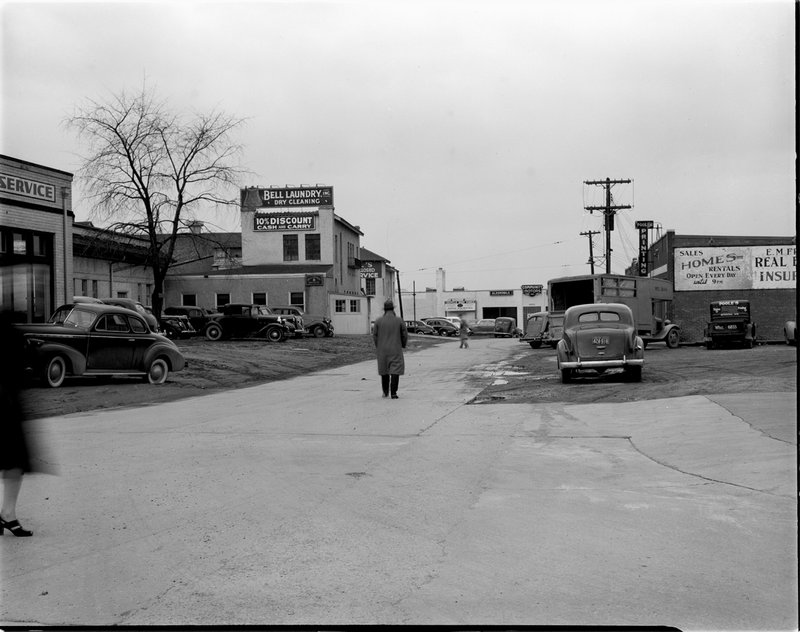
[(467, 304), (296, 196), (736, 268), (315, 280), (370, 270), (27, 188), (532, 290), (501, 292), (284, 221)]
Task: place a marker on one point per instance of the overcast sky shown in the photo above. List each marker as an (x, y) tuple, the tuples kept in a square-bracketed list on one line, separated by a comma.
[(456, 134)]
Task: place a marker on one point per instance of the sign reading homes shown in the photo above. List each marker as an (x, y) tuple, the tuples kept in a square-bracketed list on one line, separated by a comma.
[(284, 221), (296, 196), (27, 188), (736, 268)]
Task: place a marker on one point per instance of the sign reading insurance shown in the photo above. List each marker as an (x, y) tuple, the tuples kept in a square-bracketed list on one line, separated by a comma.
[(284, 221), (293, 197)]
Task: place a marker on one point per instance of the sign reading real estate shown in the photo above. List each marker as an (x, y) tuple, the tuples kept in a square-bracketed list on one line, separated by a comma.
[(27, 188), (736, 268), (295, 197), (370, 270), (284, 221)]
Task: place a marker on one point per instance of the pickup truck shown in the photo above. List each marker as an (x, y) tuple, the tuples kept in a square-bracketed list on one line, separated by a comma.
[(245, 320)]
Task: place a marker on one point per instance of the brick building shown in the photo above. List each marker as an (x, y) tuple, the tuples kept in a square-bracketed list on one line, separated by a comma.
[(705, 268)]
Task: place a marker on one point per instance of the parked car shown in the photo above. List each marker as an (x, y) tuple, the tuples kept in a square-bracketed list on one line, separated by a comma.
[(198, 316), (598, 337), (730, 323), (455, 320), (418, 327), (443, 327), (790, 332), (245, 320), (136, 306), (543, 328), (313, 324), (95, 339), (505, 327), (483, 327), (175, 326)]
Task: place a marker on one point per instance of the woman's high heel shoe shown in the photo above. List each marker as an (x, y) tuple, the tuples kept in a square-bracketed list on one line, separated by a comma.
[(15, 528)]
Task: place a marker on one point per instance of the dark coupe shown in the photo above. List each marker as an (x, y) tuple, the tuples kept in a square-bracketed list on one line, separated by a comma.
[(94, 339)]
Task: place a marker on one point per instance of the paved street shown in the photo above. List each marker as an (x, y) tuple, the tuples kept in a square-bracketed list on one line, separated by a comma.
[(316, 501)]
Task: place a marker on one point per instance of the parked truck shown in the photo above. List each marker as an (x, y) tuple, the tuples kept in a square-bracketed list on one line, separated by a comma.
[(650, 301)]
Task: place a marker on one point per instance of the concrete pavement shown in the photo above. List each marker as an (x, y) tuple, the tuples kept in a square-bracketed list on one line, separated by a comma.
[(316, 501)]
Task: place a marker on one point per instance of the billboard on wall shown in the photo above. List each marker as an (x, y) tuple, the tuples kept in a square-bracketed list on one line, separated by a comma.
[(370, 269), (284, 221), (295, 197), (27, 188), (736, 268)]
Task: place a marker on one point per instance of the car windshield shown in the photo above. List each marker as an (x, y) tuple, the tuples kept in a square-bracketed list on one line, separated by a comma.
[(78, 318)]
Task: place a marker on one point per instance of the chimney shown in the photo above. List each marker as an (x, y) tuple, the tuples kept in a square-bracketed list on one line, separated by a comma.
[(440, 286)]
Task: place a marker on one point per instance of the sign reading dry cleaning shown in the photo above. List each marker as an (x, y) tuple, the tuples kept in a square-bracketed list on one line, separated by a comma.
[(296, 196)]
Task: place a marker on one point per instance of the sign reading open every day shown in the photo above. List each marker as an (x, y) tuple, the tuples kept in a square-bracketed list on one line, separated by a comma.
[(284, 221), (296, 196), (736, 268)]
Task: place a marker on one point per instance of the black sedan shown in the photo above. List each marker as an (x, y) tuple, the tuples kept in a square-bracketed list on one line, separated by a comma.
[(94, 339), (418, 327)]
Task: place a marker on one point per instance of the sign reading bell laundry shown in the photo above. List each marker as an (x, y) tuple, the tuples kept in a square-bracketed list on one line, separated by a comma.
[(295, 197), (284, 221)]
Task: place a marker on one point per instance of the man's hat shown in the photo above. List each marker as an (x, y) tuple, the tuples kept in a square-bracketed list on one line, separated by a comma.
[(388, 304)]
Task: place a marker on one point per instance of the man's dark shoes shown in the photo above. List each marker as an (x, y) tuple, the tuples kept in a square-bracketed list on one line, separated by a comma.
[(394, 395)]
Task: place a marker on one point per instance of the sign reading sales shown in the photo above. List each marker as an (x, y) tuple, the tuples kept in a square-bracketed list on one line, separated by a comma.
[(296, 196), (736, 268), (284, 221)]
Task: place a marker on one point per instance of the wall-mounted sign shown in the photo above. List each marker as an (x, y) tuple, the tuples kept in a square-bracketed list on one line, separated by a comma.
[(27, 188), (296, 196), (645, 223), (501, 292), (736, 268), (284, 221), (315, 280), (370, 269), (532, 290), (465, 304)]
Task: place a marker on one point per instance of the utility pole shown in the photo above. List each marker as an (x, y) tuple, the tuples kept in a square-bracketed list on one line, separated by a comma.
[(589, 234), (608, 212)]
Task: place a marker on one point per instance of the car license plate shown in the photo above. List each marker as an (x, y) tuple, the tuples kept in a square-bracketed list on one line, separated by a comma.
[(599, 340)]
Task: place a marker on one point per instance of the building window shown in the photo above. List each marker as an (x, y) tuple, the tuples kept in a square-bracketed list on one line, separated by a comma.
[(291, 250), (355, 305), (223, 299), (123, 294), (296, 298), (341, 306), (94, 289), (369, 288), (313, 248), (84, 287), (259, 298), (189, 300)]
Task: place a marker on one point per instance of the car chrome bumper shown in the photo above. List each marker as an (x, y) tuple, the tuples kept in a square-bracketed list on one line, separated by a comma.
[(602, 364)]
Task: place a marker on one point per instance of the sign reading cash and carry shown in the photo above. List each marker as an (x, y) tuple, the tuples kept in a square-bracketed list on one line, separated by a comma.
[(295, 197), (736, 268), (284, 221)]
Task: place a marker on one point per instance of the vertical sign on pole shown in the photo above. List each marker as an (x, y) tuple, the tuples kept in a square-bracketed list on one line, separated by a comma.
[(643, 227)]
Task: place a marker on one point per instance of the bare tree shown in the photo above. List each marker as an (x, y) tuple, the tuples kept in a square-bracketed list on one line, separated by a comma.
[(147, 169)]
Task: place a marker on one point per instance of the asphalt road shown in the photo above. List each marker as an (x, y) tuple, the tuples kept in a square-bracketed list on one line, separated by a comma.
[(315, 501)]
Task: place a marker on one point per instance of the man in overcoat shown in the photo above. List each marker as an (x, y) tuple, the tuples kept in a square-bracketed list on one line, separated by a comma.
[(390, 336)]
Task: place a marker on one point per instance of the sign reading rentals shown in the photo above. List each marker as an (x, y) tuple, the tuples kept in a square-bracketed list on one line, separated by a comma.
[(284, 221), (27, 188), (736, 268), (296, 196)]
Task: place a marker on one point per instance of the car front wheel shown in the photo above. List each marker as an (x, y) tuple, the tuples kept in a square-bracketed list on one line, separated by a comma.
[(673, 338), (275, 335), (319, 331), (214, 332), (158, 371), (55, 371)]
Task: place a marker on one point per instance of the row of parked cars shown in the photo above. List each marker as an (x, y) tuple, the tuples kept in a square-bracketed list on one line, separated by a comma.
[(451, 325), (120, 336)]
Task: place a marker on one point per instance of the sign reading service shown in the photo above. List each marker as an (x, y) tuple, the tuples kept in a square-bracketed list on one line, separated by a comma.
[(27, 188)]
